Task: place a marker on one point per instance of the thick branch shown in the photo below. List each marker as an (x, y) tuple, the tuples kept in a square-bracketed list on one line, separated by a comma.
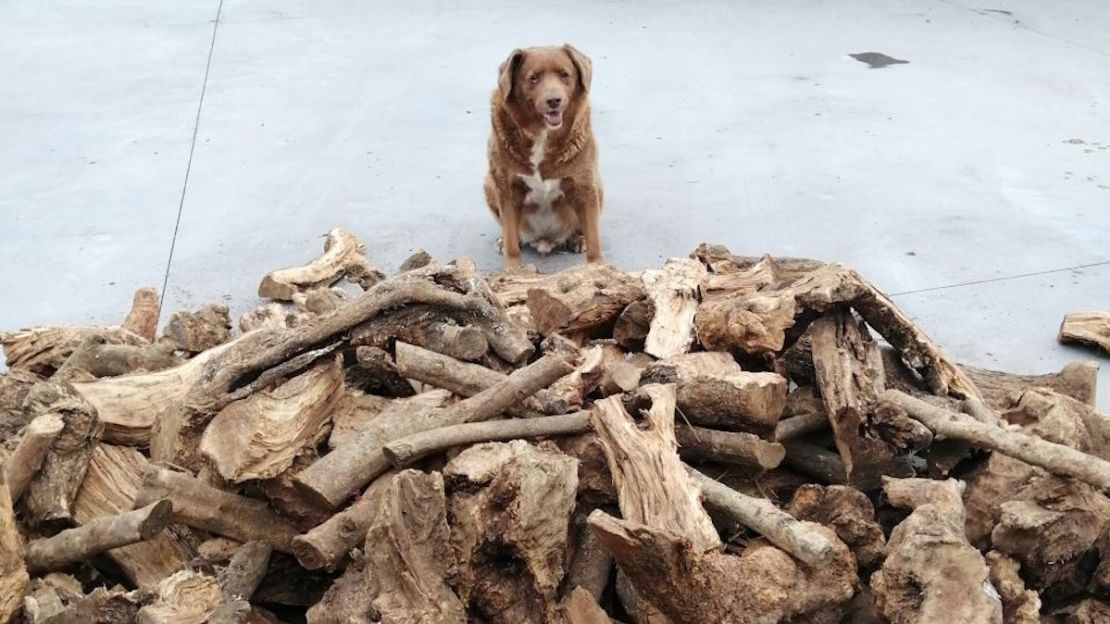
[(97, 536), (326, 545), (14, 581), (728, 447), (342, 255)]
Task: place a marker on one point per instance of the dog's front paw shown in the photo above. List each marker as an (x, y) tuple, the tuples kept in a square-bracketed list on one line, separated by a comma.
[(576, 244), (499, 246)]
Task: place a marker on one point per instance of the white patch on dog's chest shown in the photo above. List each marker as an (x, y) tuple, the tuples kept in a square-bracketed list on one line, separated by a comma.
[(542, 221)]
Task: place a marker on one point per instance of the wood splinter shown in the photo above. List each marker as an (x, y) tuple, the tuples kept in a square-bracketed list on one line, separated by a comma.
[(97, 536)]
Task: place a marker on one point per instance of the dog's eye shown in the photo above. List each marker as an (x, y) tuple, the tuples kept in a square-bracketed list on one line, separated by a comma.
[(534, 78), (564, 74)]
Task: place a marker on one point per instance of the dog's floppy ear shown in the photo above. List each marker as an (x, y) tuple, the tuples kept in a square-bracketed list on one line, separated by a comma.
[(582, 63), (507, 72)]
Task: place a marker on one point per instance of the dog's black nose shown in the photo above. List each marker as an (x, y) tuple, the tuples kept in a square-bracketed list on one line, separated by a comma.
[(554, 102)]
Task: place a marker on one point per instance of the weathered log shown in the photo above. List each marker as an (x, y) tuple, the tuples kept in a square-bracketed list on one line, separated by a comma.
[(801, 425), (818, 462), (142, 319), (418, 259), (846, 511), (581, 298), (1089, 328), (95, 358), (356, 411), (15, 384), (931, 573), (49, 496), (326, 545), (464, 378), (43, 350), (339, 474), (728, 447), (50, 594), (1055, 458), (101, 606), (639, 610), (27, 457), (733, 282), (239, 580), (184, 598), (775, 525), (273, 316), (342, 256), (713, 392), (633, 324), (408, 556), (1019, 605), (782, 271), (97, 536), (674, 292), (590, 566), (595, 484), (1061, 419), (14, 581), (321, 300), (109, 488), (754, 324), (762, 584), (403, 451), (258, 437), (346, 601), (204, 507), (207, 327), (426, 327), (581, 608), (1077, 380), (511, 505)]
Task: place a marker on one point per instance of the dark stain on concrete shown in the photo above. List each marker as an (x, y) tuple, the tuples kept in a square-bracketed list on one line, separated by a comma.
[(877, 60), (1010, 13)]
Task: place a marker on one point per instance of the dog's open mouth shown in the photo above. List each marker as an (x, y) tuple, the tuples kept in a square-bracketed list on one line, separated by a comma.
[(553, 119)]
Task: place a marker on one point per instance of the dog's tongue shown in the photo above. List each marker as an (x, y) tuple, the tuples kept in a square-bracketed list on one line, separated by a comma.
[(553, 118)]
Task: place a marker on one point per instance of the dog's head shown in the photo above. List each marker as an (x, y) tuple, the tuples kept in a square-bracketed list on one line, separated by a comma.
[(545, 81)]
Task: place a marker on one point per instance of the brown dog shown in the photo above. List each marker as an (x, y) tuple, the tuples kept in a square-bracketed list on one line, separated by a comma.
[(543, 185)]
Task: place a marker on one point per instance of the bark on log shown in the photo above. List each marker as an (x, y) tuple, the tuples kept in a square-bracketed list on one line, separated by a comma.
[(342, 256), (931, 572), (1055, 458), (849, 513), (775, 525), (95, 358), (727, 447), (408, 556), (1089, 328), (356, 411), (800, 425), (97, 536), (754, 324), (239, 580), (674, 292), (582, 298), (207, 327), (339, 474), (204, 507), (326, 545), (259, 437), (142, 320), (713, 392), (818, 463), (184, 598), (14, 581), (1077, 380), (426, 327), (109, 488), (404, 451), (43, 350), (639, 610), (511, 505), (26, 459), (633, 324), (464, 378), (49, 496), (590, 566)]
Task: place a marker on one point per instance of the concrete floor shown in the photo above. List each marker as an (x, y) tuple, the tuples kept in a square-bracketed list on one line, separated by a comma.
[(197, 145)]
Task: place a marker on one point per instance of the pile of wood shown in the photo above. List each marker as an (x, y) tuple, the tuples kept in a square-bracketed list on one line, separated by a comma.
[(723, 440)]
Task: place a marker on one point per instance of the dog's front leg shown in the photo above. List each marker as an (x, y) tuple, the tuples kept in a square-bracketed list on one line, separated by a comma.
[(510, 228), (587, 204)]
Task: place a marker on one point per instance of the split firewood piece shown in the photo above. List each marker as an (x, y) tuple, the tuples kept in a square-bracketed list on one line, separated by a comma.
[(931, 573), (1055, 458), (1019, 605), (184, 598), (128, 406), (595, 484), (455, 287), (207, 327), (762, 584), (674, 290), (1091, 328), (739, 283), (728, 447), (590, 565), (50, 594), (511, 505), (581, 608), (43, 350), (582, 297), (113, 479), (714, 392), (803, 414), (14, 581), (259, 436), (775, 525), (49, 496), (591, 363), (849, 513), (326, 545), (202, 506), (850, 378), (238, 581), (27, 457), (101, 606), (142, 320), (273, 316), (408, 555), (633, 324), (342, 256), (97, 536), (1077, 380), (346, 601), (754, 324), (464, 378), (426, 327), (95, 358), (341, 473), (404, 451), (639, 610)]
